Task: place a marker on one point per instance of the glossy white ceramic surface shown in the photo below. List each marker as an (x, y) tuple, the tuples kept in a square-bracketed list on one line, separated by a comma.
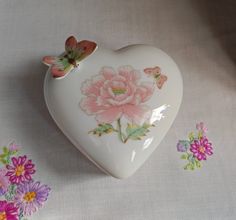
[(108, 152)]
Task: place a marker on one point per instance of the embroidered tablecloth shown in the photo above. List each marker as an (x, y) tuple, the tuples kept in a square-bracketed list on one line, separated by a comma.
[(198, 35)]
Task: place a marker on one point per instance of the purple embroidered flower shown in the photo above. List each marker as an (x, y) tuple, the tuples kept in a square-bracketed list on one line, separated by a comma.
[(20, 170), (8, 211), (201, 127), (183, 145), (4, 182), (30, 196), (201, 148)]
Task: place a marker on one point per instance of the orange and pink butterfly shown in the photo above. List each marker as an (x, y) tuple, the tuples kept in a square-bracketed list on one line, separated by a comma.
[(74, 52), (155, 72)]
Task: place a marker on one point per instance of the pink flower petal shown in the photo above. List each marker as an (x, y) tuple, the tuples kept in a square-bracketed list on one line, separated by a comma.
[(9, 167), (137, 114), (109, 115), (9, 173), (21, 160), (129, 73), (13, 179), (28, 177), (14, 161), (30, 171), (145, 91), (92, 87), (90, 106), (29, 166), (108, 72), (209, 152)]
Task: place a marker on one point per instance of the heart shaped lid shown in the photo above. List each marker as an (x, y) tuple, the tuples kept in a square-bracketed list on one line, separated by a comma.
[(116, 106)]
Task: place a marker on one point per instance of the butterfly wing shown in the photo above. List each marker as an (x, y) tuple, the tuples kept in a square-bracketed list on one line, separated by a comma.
[(79, 50), (74, 52), (153, 71), (148, 71), (71, 44), (84, 48), (49, 60), (161, 80), (59, 65), (57, 72)]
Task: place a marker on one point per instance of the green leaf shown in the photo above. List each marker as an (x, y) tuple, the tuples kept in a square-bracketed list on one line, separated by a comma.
[(5, 157), (136, 132), (3, 161), (191, 158), (5, 150), (9, 196), (191, 136), (200, 134), (21, 215), (2, 156), (102, 129), (189, 166), (198, 164), (184, 156)]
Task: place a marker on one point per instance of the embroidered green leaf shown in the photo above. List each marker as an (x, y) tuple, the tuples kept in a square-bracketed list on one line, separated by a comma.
[(197, 163), (2, 159), (191, 136), (21, 215), (193, 163), (191, 158), (9, 196), (136, 132), (102, 129), (200, 134), (5, 150), (184, 156), (5, 156), (189, 166)]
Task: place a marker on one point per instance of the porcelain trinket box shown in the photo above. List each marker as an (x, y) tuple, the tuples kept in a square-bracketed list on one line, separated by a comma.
[(114, 106)]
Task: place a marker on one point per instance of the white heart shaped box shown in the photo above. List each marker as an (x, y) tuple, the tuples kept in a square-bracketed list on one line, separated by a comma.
[(117, 106)]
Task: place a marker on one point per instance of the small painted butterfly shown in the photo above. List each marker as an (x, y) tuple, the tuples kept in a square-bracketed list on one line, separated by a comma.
[(74, 52), (155, 72)]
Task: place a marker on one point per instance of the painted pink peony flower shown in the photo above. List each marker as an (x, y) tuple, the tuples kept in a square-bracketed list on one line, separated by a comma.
[(201, 148), (20, 170), (30, 196), (4, 182), (111, 95), (8, 211)]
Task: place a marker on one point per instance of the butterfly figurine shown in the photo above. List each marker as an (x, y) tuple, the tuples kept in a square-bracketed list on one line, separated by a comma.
[(155, 72), (74, 52)]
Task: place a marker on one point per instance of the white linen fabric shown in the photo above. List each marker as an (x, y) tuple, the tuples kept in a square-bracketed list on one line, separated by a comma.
[(199, 35)]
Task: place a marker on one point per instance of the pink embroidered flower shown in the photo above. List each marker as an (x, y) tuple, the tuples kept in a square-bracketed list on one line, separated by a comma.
[(8, 211), (14, 147), (20, 170), (30, 196), (201, 127), (4, 182), (111, 95), (201, 148)]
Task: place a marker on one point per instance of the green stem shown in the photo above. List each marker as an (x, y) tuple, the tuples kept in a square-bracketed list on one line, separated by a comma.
[(119, 130), (127, 138)]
